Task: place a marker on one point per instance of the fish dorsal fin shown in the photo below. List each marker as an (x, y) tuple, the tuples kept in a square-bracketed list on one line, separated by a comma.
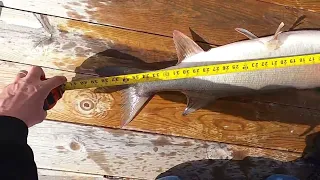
[(246, 33), (195, 101), (275, 43), (185, 46), (278, 31)]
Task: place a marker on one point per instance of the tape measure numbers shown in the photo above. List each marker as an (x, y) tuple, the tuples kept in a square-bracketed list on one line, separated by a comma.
[(208, 70)]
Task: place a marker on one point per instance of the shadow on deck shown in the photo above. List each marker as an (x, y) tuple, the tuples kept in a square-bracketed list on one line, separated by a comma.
[(306, 167)]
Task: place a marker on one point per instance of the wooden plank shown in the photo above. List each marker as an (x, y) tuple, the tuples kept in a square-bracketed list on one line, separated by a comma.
[(206, 17), (94, 150), (310, 5), (77, 46), (49, 174), (249, 123)]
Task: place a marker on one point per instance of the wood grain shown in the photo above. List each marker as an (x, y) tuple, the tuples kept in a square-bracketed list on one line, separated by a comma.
[(249, 123), (93, 150), (213, 20), (310, 5)]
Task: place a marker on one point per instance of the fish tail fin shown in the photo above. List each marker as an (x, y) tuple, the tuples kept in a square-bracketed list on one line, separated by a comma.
[(132, 103)]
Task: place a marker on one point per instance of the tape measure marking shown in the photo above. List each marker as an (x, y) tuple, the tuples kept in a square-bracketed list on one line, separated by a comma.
[(208, 70)]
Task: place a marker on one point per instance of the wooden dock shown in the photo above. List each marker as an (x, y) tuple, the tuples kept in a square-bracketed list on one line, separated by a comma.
[(82, 139)]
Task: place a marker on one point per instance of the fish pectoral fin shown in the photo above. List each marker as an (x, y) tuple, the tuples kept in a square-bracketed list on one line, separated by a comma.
[(195, 102), (185, 46), (275, 43)]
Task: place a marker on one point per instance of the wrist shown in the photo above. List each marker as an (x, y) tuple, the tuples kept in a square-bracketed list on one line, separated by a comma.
[(10, 115), (13, 130)]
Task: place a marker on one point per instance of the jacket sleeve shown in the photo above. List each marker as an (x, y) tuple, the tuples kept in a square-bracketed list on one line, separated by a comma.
[(16, 157)]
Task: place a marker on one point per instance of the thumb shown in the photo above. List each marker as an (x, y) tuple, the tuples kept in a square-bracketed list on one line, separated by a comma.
[(54, 82)]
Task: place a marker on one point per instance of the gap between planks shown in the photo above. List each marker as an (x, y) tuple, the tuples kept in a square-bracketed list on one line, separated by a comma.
[(95, 23), (205, 17), (72, 45), (53, 174), (308, 5), (48, 174)]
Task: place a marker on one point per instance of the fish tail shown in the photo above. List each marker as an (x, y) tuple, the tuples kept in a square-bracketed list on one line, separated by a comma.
[(134, 97), (132, 103)]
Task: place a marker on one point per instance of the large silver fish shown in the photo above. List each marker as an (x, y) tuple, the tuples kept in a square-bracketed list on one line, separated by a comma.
[(202, 90)]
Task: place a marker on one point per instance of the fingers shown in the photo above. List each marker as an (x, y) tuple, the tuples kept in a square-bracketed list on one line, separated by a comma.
[(35, 73), (54, 82), (21, 74)]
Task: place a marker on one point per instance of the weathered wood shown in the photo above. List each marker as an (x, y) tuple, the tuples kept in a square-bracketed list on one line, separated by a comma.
[(310, 5), (94, 150), (250, 123), (77, 46), (213, 20), (49, 174)]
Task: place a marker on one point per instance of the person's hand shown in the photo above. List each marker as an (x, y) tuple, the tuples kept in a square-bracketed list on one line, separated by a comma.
[(24, 98)]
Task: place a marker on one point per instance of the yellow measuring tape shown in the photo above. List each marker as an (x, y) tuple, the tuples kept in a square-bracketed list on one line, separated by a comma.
[(208, 70)]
